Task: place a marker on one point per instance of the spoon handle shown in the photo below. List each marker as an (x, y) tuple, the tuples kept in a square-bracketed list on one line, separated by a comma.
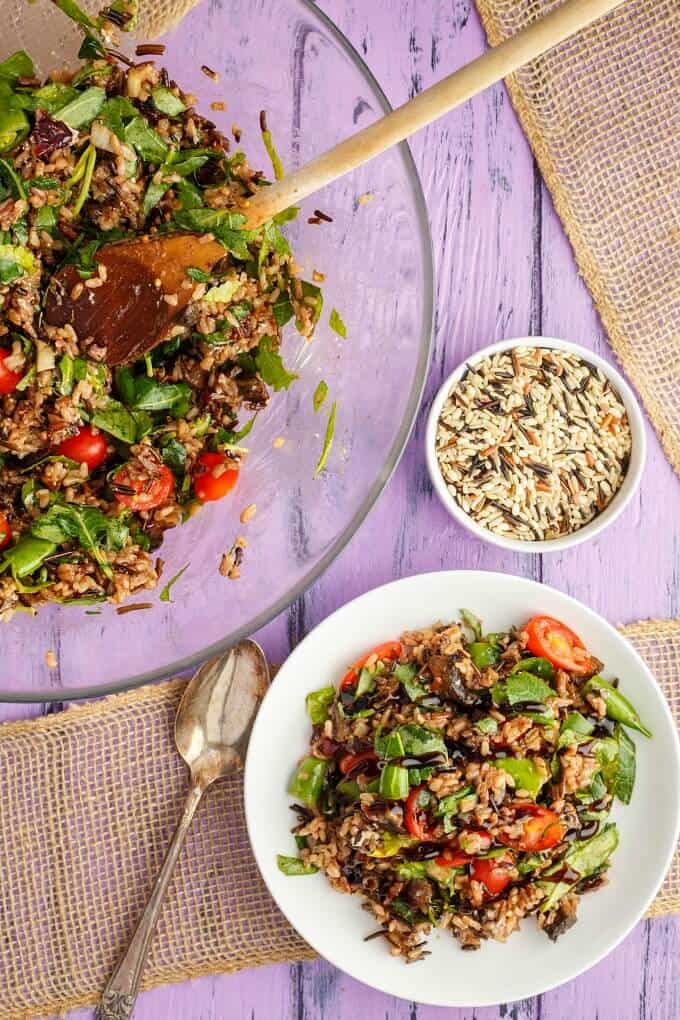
[(118, 1000), (496, 63)]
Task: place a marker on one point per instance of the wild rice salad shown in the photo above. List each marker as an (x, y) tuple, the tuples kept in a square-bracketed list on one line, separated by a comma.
[(464, 780), (98, 464), (533, 443)]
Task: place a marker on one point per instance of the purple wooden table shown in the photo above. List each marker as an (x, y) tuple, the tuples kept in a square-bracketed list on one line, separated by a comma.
[(504, 269)]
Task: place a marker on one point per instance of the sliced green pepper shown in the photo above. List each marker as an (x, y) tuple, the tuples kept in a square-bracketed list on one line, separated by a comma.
[(619, 708), (483, 654), (527, 775), (319, 703), (27, 555), (394, 783), (307, 783), (537, 666), (294, 866)]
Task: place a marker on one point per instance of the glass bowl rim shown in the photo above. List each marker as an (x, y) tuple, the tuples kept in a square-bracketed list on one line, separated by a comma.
[(189, 662)]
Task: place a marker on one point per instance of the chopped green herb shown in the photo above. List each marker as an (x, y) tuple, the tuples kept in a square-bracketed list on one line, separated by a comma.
[(526, 687), (277, 165), (336, 324), (228, 438), (13, 179), (165, 594), (46, 218), (283, 309), (146, 142), (328, 440), (167, 102), (15, 261), (88, 171), (54, 96), (271, 367), (152, 396), (86, 525), (198, 275), (115, 419), (223, 293), (17, 65), (174, 455), (76, 13), (310, 290), (320, 394), (82, 110)]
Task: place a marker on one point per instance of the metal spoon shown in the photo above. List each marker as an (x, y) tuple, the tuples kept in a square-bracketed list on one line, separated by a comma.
[(212, 729)]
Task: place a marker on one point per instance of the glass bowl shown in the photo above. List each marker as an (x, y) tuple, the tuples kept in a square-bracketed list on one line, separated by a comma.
[(287, 58)]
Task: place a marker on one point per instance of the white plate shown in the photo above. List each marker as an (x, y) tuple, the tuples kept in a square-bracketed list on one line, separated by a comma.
[(334, 924)]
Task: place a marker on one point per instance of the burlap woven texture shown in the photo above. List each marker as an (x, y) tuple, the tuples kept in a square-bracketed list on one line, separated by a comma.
[(157, 16), (90, 799), (602, 115)]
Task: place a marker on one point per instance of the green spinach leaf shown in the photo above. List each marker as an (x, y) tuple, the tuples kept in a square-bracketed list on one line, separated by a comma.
[(82, 110)]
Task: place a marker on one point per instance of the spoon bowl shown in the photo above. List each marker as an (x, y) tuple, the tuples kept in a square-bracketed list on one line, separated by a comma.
[(217, 712)]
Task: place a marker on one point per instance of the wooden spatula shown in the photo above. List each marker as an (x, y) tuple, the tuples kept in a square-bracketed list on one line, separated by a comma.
[(131, 312), (138, 296)]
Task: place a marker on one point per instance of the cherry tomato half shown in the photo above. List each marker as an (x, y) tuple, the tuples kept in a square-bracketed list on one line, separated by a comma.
[(389, 651), (9, 380), (214, 476), (452, 858), (351, 764), (87, 447), (149, 490), (5, 531), (494, 873), (542, 829), (415, 817), (552, 640)]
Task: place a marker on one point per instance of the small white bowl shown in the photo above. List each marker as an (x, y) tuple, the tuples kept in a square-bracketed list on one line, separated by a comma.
[(614, 508)]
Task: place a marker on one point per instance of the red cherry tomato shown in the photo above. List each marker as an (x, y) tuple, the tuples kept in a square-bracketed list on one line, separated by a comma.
[(5, 531), (542, 829), (389, 651), (87, 447), (415, 817), (149, 490), (213, 476), (552, 640), (350, 764), (494, 873), (9, 380), (452, 858)]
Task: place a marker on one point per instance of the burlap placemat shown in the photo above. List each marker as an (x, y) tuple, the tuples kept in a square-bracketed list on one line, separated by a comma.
[(602, 115), (90, 798)]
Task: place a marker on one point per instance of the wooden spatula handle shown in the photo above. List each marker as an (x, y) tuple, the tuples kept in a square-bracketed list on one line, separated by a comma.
[(469, 80)]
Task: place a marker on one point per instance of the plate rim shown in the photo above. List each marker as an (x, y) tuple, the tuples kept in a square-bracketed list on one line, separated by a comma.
[(529, 583)]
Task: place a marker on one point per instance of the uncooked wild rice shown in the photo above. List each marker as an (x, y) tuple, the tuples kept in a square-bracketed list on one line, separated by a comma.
[(533, 443)]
